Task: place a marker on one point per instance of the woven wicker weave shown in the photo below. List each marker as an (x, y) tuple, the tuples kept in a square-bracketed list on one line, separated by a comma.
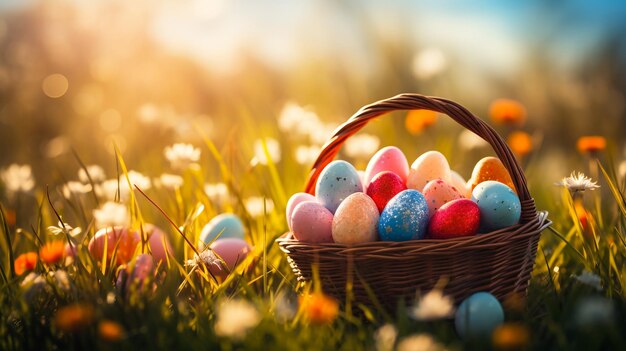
[(383, 272)]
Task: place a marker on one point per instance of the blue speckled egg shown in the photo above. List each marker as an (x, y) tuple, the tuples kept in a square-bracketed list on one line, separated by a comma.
[(228, 224), (404, 218), (478, 316), (499, 205), (336, 182)]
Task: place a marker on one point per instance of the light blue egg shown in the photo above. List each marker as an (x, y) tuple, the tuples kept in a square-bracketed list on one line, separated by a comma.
[(336, 182), (478, 316), (405, 217), (228, 224), (499, 205)]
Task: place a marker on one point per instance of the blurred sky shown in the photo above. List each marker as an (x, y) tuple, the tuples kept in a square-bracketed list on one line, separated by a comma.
[(493, 34)]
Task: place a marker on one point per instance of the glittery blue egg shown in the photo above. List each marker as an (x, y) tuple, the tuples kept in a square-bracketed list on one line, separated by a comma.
[(478, 316), (499, 205), (404, 218), (337, 181), (226, 225)]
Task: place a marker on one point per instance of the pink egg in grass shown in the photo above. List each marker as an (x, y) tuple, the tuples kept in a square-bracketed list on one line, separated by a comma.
[(294, 201), (312, 222), (122, 239), (160, 245), (232, 251), (389, 158)]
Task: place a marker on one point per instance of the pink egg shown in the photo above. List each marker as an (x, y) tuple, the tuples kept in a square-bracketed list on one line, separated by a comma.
[(383, 187), (437, 193), (294, 200), (457, 181), (159, 243), (456, 218), (389, 158), (142, 269), (123, 239), (232, 251), (312, 222), (430, 165), (356, 220)]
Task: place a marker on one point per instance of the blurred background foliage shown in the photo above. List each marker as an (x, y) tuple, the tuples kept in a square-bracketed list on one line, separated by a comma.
[(81, 74)]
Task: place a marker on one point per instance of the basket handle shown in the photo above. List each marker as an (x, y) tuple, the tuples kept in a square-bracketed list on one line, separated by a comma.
[(420, 102)]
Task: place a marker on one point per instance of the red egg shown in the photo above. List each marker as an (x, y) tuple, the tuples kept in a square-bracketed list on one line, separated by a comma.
[(383, 187), (124, 239), (460, 217)]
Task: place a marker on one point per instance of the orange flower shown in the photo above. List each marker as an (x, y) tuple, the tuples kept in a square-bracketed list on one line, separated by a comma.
[(319, 308), (520, 142), (25, 262), (418, 120), (510, 336), (110, 331), (52, 252), (74, 317), (507, 111), (9, 216), (590, 144)]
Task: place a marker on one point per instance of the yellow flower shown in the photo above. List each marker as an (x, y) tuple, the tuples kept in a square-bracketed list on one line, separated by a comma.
[(510, 336), (74, 317), (419, 120), (110, 331), (591, 144), (507, 111), (319, 308), (520, 143)]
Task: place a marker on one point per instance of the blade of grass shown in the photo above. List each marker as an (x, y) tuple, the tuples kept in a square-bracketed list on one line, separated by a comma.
[(7, 236)]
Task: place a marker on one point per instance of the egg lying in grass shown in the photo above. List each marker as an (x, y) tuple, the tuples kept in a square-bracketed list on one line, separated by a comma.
[(119, 240), (160, 245), (478, 316), (232, 251), (430, 165), (225, 225), (312, 222), (404, 218), (499, 205), (389, 158), (356, 220), (437, 193), (337, 181)]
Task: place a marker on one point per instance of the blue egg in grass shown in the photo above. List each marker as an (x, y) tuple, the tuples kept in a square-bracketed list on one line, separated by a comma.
[(499, 206), (478, 316), (405, 217), (337, 181), (225, 225)]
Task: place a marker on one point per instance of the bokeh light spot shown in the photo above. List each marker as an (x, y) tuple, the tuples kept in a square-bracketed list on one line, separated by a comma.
[(55, 85), (110, 120)]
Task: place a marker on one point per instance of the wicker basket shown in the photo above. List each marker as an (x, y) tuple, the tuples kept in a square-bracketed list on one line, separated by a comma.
[(383, 272)]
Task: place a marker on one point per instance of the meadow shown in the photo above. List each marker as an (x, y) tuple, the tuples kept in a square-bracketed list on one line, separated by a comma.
[(125, 133)]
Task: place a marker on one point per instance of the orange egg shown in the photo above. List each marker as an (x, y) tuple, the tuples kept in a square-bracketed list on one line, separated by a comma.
[(490, 168), (124, 239)]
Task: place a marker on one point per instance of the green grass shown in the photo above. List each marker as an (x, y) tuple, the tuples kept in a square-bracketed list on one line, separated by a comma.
[(178, 311)]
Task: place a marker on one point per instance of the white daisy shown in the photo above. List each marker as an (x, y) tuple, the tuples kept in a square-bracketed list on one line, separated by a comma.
[(109, 188), (75, 188), (95, 172), (419, 342), (17, 178), (273, 149), (171, 181), (111, 214), (181, 156), (362, 145), (138, 179), (206, 258), (433, 305), (64, 228), (235, 318), (306, 155), (254, 205), (385, 337), (577, 183), (217, 192)]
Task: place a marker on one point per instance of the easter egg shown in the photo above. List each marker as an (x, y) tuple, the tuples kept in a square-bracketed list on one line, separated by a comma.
[(389, 158), (437, 193), (120, 240), (499, 205), (384, 186), (404, 218), (356, 220), (336, 182), (294, 200), (478, 316), (457, 181), (430, 165), (232, 251), (460, 217), (160, 245), (140, 272), (490, 168), (225, 225), (312, 222)]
